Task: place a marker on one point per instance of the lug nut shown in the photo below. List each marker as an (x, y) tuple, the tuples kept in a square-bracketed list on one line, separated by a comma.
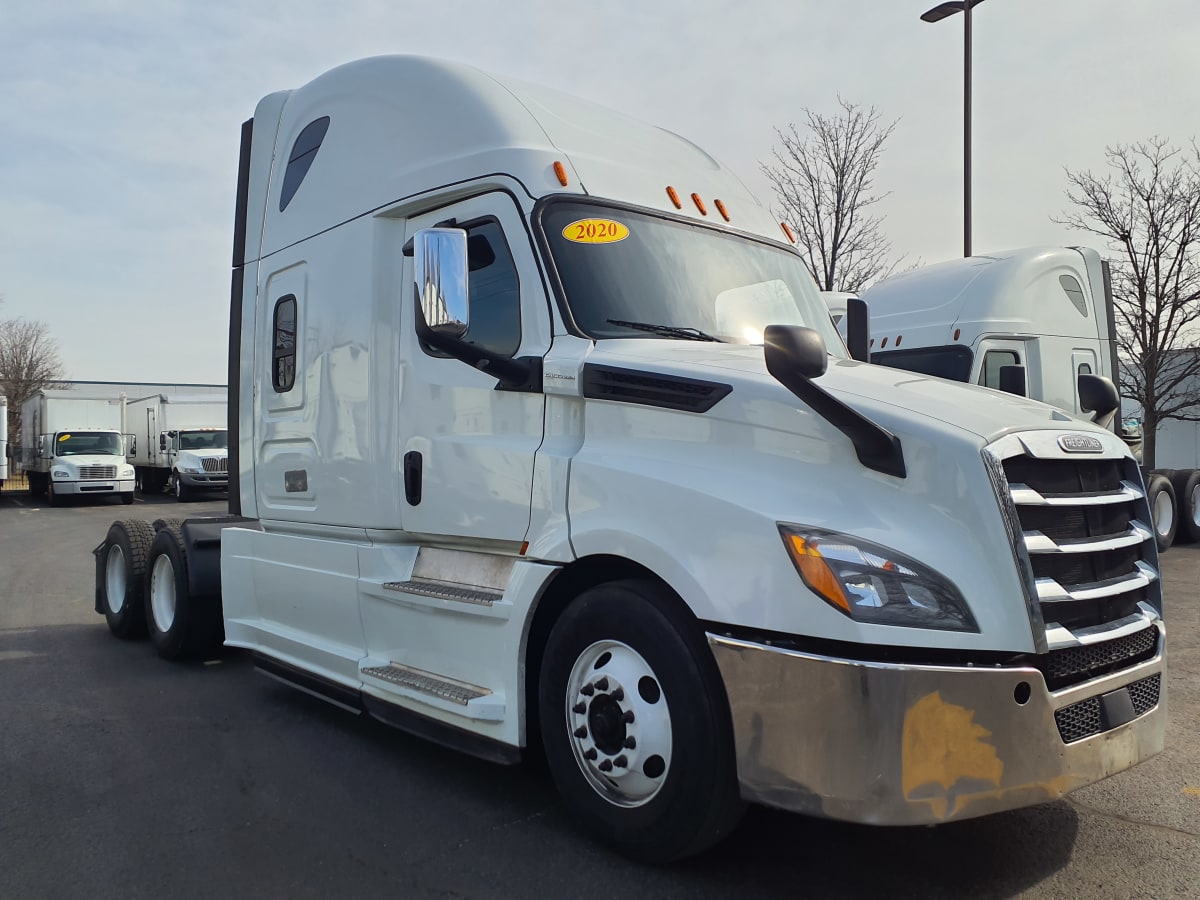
[(621, 762), (618, 695), (587, 690), (628, 717), (590, 754), (602, 684), (630, 743), (605, 765), (580, 732), (579, 709)]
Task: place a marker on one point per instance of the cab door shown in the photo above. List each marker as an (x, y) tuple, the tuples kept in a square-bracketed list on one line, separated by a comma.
[(467, 449)]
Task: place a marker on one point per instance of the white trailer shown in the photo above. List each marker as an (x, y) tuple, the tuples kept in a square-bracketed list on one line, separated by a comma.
[(181, 443), (1040, 316), (72, 445), (544, 437)]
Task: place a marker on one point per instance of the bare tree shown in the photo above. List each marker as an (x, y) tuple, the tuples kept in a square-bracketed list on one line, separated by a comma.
[(1148, 210), (28, 362), (823, 183)]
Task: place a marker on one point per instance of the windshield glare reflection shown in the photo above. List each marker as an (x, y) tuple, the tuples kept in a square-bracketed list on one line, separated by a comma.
[(663, 277)]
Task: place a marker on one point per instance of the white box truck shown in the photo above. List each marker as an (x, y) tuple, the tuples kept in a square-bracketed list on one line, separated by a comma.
[(180, 443), (1037, 321), (544, 438), (72, 445)]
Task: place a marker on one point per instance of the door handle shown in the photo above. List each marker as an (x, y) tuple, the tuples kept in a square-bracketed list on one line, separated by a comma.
[(412, 477)]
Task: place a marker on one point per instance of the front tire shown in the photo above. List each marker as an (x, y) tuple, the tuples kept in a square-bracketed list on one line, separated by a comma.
[(635, 723), (53, 498), (182, 492), (121, 589), (181, 626)]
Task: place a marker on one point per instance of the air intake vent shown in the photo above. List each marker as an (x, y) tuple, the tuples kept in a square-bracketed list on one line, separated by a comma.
[(652, 389)]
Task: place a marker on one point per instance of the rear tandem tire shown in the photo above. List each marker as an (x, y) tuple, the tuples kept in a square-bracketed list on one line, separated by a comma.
[(121, 589), (1187, 499), (181, 626), (1164, 510)]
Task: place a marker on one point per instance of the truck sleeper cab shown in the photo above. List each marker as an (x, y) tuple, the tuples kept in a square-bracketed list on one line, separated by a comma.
[(543, 435)]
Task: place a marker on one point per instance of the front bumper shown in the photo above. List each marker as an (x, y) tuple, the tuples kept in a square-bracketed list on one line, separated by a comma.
[(889, 744), (89, 487), (204, 481)]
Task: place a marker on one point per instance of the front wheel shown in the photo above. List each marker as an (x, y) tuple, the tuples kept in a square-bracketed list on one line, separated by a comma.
[(635, 723), (53, 498), (182, 492)]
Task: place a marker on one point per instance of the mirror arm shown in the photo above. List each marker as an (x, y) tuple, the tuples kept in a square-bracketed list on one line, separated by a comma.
[(521, 374), (877, 448)]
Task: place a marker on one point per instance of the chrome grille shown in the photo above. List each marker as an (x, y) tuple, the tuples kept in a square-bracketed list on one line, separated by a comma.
[(215, 465), (97, 472), (1070, 665), (1083, 719), (1083, 524)]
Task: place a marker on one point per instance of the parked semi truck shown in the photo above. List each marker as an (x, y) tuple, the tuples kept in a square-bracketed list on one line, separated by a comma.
[(3, 440), (1030, 321), (72, 445), (541, 436), (184, 444)]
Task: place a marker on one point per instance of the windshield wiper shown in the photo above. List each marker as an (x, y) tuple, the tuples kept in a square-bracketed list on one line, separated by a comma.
[(688, 334)]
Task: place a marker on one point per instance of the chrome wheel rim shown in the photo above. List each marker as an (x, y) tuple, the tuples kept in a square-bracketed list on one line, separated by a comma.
[(619, 723), (162, 593), (114, 578)]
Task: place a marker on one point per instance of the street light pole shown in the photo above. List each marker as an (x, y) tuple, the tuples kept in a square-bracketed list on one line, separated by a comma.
[(936, 14)]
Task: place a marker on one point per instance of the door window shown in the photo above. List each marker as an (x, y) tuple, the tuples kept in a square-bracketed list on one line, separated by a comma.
[(989, 375)]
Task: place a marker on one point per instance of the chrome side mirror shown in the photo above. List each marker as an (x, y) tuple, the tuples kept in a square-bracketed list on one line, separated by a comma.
[(440, 275)]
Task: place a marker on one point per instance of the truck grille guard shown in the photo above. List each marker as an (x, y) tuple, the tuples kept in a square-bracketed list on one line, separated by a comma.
[(1087, 557)]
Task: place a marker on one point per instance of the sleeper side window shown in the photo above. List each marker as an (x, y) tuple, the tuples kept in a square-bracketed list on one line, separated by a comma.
[(992, 361), (304, 151), (283, 353)]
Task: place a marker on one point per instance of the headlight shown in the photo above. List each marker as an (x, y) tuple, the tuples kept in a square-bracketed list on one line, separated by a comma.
[(61, 473), (870, 583), (127, 472), (190, 470)]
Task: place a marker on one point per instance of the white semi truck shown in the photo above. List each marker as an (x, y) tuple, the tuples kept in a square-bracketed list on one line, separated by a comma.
[(182, 443), (544, 438), (1031, 321), (72, 445), (3, 440)]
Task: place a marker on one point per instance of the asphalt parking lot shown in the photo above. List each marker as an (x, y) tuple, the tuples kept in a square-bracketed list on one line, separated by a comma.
[(122, 775)]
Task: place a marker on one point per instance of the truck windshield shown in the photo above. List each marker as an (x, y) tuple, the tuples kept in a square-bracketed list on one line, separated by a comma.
[(952, 361), (203, 440), (628, 274), (77, 443)]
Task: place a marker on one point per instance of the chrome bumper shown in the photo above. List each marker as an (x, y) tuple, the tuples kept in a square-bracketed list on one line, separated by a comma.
[(889, 744)]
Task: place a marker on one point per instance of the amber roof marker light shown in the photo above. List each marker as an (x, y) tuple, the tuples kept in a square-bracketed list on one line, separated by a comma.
[(699, 204), (721, 209), (561, 171), (674, 197), (791, 237)]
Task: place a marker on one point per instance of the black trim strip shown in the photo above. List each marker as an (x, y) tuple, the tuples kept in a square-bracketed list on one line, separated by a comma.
[(243, 195), (307, 681), (233, 392), (440, 732), (651, 388)]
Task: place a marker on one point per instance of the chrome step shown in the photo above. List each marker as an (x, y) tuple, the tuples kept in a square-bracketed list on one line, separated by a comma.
[(428, 683), (445, 591)]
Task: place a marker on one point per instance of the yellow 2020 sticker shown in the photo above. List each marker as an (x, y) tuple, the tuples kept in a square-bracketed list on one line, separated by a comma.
[(595, 231), (63, 437)]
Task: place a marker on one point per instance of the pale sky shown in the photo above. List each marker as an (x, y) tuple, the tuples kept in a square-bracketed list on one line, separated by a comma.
[(119, 123)]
